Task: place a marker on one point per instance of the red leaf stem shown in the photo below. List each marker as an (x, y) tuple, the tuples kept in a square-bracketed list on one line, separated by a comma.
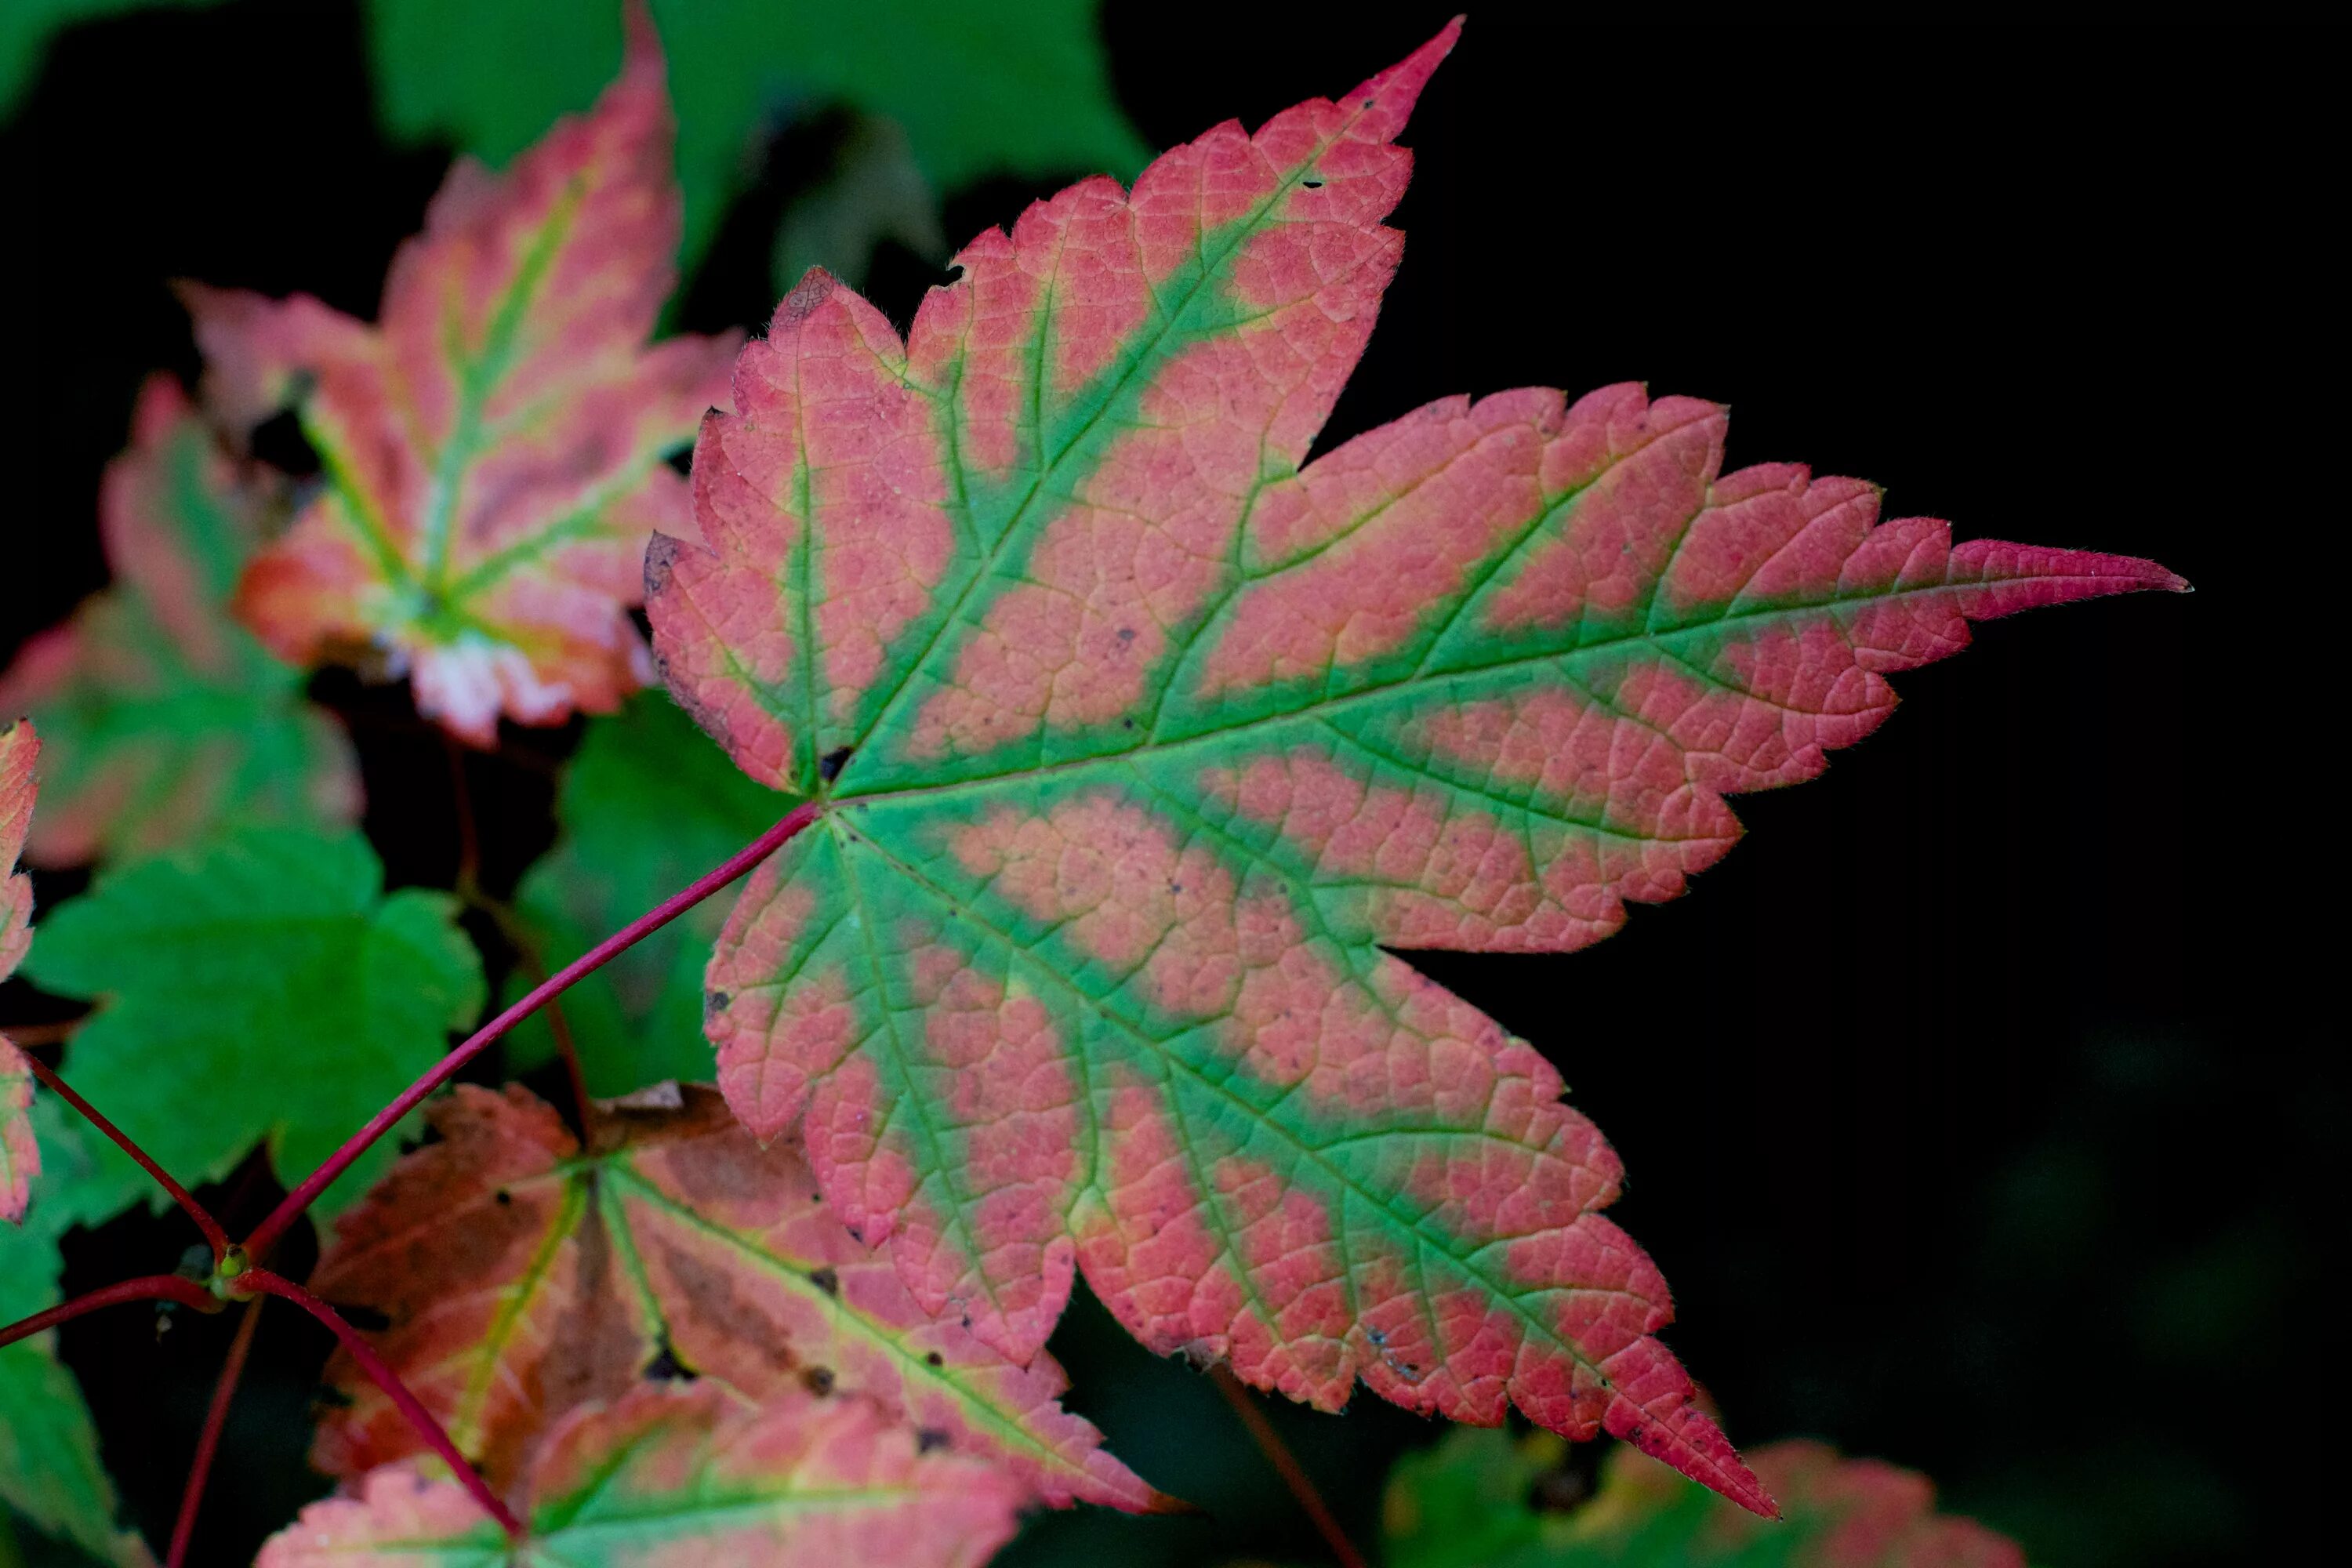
[(145, 1287), (361, 1352), (208, 1441), (1286, 1466), (595, 958), (215, 1235)]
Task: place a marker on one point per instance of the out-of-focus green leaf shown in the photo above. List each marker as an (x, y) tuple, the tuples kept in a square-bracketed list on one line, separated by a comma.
[(1474, 1501), (647, 806), (981, 89), (262, 987), (162, 718)]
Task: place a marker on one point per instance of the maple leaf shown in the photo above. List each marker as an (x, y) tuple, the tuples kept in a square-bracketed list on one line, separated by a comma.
[(261, 988), (1139, 743), (519, 1277), (1465, 1504), (647, 804), (493, 451), (687, 1477), (20, 1152), (163, 718)]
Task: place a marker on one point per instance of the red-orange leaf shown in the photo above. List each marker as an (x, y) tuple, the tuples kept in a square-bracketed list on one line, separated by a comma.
[(1137, 740), (493, 449), (519, 1277), (691, 1477), (20, 1156)]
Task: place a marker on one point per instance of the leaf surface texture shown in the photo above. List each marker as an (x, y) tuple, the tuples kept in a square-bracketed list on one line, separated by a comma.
[(686, 1478), (1141, 742), (520, 1277)]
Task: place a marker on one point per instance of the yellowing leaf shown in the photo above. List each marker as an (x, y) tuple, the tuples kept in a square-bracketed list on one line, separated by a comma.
[(519, 1276), (686, 1478), (494, 448)]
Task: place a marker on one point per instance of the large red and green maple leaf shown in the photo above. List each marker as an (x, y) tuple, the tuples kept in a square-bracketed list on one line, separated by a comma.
[(1137, 743), (493, 450)]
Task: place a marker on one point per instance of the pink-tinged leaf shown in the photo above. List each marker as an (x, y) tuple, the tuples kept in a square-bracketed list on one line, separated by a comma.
[(165, 719), (1465, 1504), (20, 1154), (692, 1478), (518, 1277), (1140, 743), (493, 449)]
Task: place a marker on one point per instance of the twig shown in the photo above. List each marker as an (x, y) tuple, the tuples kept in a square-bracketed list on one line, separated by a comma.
[(407, 1404), (145, 1287), (200, 1469), (51, 1034), (214, 1234), (1286, 1465), (595, 958), (469, 843), (526, 951)]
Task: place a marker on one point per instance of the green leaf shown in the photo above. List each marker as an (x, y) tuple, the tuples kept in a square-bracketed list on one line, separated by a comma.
[(49, 1470), (647, 804), (163, 719), (1472, 1502), (980, 90), (260, 988)]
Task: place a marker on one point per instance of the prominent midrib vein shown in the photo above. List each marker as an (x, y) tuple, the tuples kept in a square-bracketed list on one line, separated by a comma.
[(1380, 689), (477, 376), (992, 1417), (1379, 1202)]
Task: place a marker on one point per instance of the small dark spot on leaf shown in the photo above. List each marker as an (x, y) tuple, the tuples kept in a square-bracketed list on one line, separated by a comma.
[(502, 1197), (818, 1380), (935, 1359), (928, 1439), (1312, 185), (829, 766), (1127, 634), (1370, 101), (714, 1002), (1175, 887), (1126, 724), (665, 1367), (1378, 1336), (826, 1280)]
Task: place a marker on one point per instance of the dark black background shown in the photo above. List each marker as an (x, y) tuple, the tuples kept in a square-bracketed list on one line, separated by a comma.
[(1981, 1108)]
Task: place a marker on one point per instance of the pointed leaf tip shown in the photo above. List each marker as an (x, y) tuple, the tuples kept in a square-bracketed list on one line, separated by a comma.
[(1387, 98)]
